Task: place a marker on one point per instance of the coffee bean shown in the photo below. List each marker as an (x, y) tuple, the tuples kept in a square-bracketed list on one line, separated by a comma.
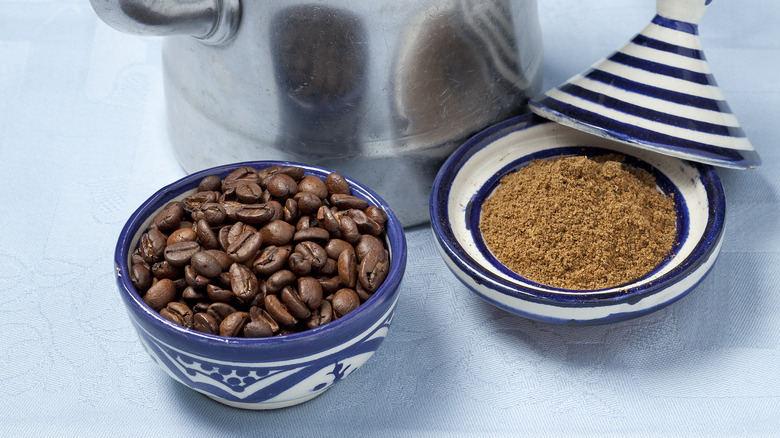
[(170, 216), (249, 193), (210, 183), (194, 201), (233, 324), (365, 225), (337, 184), (347, 268), (182, 235), (312, 233), (180, 253), (344, 301), (206, 264), (271, 259), (220, 311), (160, 294), (205, 323), (377, 215), (258, 329), (219, 295), (373, 270), (256, 213), (140, 276), (152, 245), (277, 233), (348, 229), (366, 245), (308, 203), (241, 176), (212, 212), (329, 268), (293, 303), (299, 264), (281, 186), (346, 202), (243, 282), (313, 252), (178, 313), (193, 295), (335, 247), (279, 279), (278, 312), (164, 269), (310, 292), (313, 184), (245, 246), (291, 211), (194, 279)]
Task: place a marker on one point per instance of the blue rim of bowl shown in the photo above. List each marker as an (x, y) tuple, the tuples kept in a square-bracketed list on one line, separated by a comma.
[(554, 296), (395, 236)]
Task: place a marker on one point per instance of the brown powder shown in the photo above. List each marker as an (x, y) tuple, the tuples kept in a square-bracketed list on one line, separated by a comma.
[(579, 223)]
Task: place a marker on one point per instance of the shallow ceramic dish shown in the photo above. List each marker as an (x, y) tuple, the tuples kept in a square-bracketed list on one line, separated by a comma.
[(261, 373), (473, 171)]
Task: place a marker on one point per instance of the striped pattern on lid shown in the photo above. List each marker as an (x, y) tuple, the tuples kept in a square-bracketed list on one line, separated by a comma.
[(657, 92)]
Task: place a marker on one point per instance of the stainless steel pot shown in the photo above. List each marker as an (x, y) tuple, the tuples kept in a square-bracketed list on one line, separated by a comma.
[(382, 91)]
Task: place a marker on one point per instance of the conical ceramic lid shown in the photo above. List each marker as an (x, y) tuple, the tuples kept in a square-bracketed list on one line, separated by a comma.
[(657, 93)]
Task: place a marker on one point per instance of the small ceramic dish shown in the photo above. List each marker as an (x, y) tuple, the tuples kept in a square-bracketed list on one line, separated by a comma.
[(471, 174), (260, 373)]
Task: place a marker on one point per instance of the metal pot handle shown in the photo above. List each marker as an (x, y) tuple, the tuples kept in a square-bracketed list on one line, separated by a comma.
[(211, 21)]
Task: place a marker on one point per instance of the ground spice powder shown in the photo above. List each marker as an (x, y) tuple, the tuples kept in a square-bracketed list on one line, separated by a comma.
[(578, 222)]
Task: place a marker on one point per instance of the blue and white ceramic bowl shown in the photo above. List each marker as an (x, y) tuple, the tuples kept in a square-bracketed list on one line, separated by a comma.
[(264, 373), (469, 176)]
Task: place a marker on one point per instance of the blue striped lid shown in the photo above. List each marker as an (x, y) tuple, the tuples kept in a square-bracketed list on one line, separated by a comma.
[(657, 92)]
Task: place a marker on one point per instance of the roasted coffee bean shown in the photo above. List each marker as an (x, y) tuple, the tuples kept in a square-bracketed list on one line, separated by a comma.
[(365, 224), (205, 235), (241, 176), (236, 230), (212, 212), (363, 294), (377, 215), (205, 323), (293, 303), (231, 208), (329, 268), (329, 284), (182, 235), (160, 294), (191, 294), (243, 282), (136, 257), (277, 233), (170, 216), (258, 329), (299, 264), (224, 278), (347, 268), (141, 276), (179, 313), (337, 184), (194, 279), (310, 292), (277, 208), (255, 213), (201, 306), (245, 246), (312, 233), (348, 229), (346, 202), (373, 270), (278, 280), (249, 193), (180, 284), (233, 324), (219, 295), (281, 186), (194, 201), (222, 258), (152, 245), (313, 184), (296, 173), (256, 313), (271, 259), (278, 312), (367, 244), (205, 264), (180, 253), (328, 221), (164, 269), (291, 212), (222, 237), (335, 247), (210, 183), (220, 311), (303, 223), (344, 301), (308, 203), (313, 252)]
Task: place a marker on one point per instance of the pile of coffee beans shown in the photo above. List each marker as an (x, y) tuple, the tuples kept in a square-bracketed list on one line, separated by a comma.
[(262, 253)]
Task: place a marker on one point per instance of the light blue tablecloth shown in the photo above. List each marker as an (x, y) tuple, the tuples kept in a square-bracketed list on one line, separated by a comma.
[(83, 143)]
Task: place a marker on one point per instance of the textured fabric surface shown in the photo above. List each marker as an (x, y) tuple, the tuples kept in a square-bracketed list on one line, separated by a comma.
[(83, 143)]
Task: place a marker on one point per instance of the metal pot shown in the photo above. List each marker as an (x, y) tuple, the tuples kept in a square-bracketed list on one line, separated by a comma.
[(382, 91)]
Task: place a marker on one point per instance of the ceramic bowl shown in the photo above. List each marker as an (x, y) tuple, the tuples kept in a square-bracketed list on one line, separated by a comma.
[(469, 176), (261, 373)]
